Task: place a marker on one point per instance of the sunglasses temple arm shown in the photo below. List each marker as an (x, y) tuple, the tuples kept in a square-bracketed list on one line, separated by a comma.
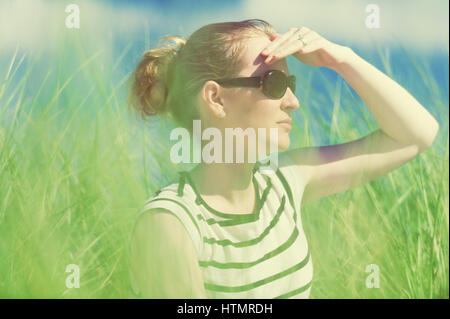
[(248, 82)]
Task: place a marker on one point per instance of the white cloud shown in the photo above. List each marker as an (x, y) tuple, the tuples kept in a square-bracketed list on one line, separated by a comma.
[(38, 23), (421, 24)]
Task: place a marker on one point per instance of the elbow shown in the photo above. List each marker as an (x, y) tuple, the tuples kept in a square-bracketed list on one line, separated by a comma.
[(430, 137)]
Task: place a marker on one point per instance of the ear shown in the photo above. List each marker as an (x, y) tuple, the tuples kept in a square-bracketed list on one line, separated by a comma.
[(212, 95)]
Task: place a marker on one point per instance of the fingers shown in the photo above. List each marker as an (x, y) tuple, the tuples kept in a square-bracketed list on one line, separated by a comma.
[(294, 41), (292, 44), (312, 46), (274, 36), (288, 43), (308, 38), (278, 41), (303, 31)]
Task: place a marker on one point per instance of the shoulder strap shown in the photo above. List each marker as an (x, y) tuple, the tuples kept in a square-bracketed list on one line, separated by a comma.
[(286, 187), (181, 183), (292, 179)]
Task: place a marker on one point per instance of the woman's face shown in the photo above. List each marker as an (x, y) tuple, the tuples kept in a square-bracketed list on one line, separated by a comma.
[(247, 107)]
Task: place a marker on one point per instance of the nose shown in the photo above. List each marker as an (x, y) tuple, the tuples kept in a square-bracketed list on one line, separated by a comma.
[(290, 101)]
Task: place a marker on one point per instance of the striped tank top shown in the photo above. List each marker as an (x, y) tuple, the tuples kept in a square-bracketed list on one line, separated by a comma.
[(263, 254)]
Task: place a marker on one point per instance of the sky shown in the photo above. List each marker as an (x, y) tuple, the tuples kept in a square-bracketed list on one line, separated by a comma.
[(421, 24)]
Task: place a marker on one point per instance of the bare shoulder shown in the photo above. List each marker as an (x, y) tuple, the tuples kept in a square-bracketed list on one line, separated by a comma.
[(164, 261), (160, 223)]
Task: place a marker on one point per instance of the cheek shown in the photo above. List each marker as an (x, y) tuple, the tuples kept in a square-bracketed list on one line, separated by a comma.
[(265, 114), (241, 108), (250, 109)]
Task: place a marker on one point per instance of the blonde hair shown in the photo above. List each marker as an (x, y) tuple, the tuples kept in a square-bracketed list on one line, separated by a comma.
[(167, 79)]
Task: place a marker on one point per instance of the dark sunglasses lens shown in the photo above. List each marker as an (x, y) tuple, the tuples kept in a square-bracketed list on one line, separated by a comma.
[(275, 84)]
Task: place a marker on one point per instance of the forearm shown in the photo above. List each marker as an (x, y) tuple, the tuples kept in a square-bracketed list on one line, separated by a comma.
[(397, 112)]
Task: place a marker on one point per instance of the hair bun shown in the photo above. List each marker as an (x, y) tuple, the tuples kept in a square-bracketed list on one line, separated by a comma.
[(150, 79)]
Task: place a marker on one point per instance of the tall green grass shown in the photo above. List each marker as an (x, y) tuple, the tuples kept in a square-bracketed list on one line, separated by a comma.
[(75, 168)]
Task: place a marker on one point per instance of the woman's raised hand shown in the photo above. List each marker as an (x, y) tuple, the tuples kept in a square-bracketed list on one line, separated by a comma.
[(307, 46)]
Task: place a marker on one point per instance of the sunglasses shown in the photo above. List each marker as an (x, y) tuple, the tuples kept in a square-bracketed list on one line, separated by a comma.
[(273, 83)]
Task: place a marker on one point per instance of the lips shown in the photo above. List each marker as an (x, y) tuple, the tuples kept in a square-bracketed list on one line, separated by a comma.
[(286, 123)]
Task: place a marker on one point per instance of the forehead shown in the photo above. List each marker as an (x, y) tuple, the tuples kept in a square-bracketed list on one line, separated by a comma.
[(253, 61)]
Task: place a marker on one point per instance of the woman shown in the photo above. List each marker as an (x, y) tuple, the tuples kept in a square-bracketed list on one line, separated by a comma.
[(225, 230)]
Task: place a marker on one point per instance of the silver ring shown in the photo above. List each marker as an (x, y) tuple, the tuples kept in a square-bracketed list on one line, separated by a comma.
[(301, 39)]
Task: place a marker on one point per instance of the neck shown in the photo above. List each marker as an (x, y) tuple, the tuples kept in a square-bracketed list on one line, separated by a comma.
[(233, 181)]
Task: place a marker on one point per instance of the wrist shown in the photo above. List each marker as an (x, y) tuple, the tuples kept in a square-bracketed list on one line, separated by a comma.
[(343, 57)]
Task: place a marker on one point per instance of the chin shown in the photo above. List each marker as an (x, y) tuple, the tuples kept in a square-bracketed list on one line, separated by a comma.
[(283, 146), (283, 142)]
